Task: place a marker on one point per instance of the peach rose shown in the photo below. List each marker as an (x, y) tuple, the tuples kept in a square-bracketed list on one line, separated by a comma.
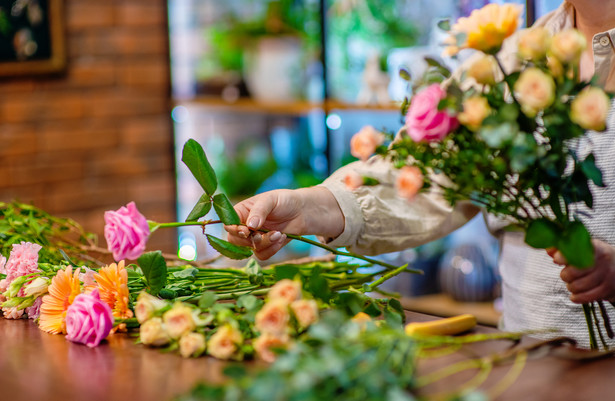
[(485, 29), (590, 109), (286, 290), (178, 320), (305, 311), (409, 182), (192, 344), (483, 70), (353, 180), (273, 317), (264, 345), (555, 68), (567, 46), (364, 143), (362, 319), (225, 342), (534, 90), (534, 43), (153, 333), (147, 306), (475, 110)]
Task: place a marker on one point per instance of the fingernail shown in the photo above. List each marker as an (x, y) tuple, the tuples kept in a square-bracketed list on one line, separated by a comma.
[(257, 238), (275, 237), (242, 234), (254, 222)]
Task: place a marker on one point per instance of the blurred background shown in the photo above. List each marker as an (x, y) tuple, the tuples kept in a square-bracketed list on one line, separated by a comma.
[(98, 97)]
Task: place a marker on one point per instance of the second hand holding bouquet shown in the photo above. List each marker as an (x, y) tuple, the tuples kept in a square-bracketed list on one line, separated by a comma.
[(507, 143)]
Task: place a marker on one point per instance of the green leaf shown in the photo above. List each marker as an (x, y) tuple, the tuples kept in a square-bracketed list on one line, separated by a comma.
[(445, 25), (592, 172), (254, 272), (194, 157), (250, 303), (285, 271), (154, 269), (576, 246), (189, 272), (542, 234), (405, 74), (227, 249), (202, 207), (224, 209), (207, 300), (318, 286)]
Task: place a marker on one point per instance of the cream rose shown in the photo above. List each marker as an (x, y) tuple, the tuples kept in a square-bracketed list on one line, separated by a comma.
[(273, 317), (534, 90), (483, 70), (192, 344), (225, 342), (534, 43), (567, 46), (153, 333), (475, 110), (266, 343), (305, 311), (364, 143), (590, 109), (286, 290), (178, 320), (147, 306)]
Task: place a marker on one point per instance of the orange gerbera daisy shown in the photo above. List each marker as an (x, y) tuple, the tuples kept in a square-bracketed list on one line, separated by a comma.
[(64, 287), (112, 283)]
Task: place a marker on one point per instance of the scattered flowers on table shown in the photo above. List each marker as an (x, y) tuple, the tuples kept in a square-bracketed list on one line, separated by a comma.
[(65, 286), (112, 281)]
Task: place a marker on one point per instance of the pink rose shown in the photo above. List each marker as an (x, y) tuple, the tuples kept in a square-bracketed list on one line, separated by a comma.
[(126, 232), (364, 143), (409, 182), (88, 319), (424, 122)]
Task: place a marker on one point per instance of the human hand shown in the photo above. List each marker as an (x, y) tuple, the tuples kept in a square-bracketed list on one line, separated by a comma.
[(592, 284), (303, 211)]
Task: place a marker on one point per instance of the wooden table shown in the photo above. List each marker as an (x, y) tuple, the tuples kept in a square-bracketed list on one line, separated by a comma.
[(38, 366)]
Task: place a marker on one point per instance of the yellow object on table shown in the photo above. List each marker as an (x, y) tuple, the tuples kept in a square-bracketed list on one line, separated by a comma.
[(442, 327)]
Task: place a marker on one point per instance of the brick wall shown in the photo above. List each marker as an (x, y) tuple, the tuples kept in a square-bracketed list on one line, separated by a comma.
[(98, 135)]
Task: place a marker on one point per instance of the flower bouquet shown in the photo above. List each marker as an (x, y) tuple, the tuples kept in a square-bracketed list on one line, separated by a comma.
[(504, 139)]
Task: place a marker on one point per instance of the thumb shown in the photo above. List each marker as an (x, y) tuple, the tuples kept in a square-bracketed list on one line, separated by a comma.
[(260, 211)]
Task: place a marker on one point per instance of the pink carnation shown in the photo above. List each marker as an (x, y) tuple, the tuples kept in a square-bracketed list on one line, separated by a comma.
[(424, 122), (34, 311), (126, 232), (2, 265), (88, 319), (12, 313), (23, 260)]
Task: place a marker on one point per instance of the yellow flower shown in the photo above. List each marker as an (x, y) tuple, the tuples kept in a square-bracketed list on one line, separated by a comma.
[(64, 287), (590, 109), (485, 29), (112, 283), (483, 70)]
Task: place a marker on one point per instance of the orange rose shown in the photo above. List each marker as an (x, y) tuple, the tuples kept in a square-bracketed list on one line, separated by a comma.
[(409, 182), (364, 143), (273, 317), (353, 180), (286, 290), (305, 311)]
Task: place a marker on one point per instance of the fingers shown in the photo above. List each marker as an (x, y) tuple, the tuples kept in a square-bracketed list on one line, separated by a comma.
[(583, 283), (594, 294), (266, 253), (558, 257), (261, 208), (571, 273), (265, 245)]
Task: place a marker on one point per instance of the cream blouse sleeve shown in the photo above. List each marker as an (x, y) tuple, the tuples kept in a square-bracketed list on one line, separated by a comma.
[(378, 221)]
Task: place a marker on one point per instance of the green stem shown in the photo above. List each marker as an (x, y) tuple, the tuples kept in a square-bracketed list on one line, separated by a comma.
[(593, 344), (385, 277), (183, 224)]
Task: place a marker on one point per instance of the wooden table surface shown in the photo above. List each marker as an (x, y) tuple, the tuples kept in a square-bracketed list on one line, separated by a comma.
[(38, 366)]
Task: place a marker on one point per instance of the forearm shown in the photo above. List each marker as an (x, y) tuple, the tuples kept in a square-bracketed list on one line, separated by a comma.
[(323, 215)]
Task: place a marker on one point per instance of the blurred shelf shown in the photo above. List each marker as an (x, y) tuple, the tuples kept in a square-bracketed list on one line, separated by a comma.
[(248, 105), (445, 306)]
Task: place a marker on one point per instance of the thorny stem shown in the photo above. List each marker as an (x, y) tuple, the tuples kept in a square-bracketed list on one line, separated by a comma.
[(593, 344)]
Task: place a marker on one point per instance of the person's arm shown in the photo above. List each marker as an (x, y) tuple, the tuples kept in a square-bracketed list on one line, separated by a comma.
[(591, 284)]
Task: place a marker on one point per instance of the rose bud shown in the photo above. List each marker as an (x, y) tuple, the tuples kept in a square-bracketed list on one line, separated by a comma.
[(192, 345), (225, 342), (590, 109), (305, 311), (178, 320), (273, 318), (364, 143), (534, 90), (409, 182), (147, 306), (153, 333), (353, 180)]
